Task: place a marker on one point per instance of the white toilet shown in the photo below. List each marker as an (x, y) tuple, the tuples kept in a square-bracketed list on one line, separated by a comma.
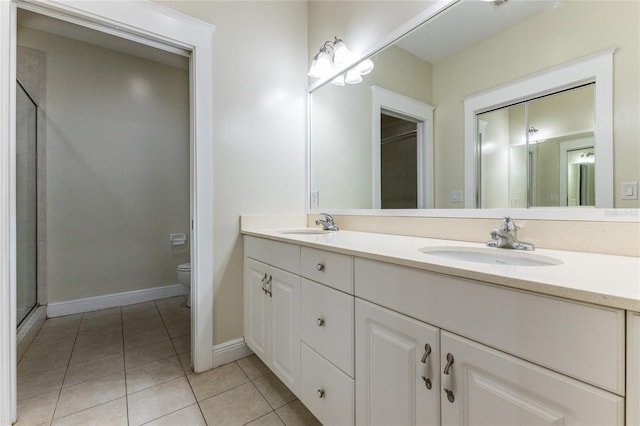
[(184, 277)]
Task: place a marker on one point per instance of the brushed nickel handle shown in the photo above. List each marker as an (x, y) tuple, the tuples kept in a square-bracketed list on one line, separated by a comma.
[(264, 280), (446, 378), (270, 286), (321, 393), (320, 322), (320, 267), (424, 364)]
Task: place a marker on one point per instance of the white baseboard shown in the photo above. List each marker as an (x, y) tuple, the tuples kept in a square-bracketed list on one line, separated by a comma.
[(112, 300), (230, 351)]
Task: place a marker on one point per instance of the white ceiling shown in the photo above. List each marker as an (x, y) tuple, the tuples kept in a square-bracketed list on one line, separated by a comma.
[(87, 35), (466, 23)]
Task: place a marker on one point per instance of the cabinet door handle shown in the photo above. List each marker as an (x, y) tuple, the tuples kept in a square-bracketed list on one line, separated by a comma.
[(320, 322), (320, 267), (270, 286), (320, 393), (424, 365), (446, 378), (264, 280)]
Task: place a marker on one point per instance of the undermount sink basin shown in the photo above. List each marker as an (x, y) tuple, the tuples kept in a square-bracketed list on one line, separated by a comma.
[(492, 256), (305, 231)]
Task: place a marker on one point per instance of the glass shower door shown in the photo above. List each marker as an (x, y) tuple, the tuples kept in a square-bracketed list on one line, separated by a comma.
[(26, 202)]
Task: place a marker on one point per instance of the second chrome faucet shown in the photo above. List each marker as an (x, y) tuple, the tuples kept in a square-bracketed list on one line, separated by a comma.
[(507, 237), (328, 224)]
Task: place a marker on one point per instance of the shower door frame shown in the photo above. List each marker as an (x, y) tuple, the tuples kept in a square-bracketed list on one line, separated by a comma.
[(37, 206), (148, 23)]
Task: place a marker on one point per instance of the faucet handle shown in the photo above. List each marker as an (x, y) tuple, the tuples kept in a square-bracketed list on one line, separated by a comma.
[(509, 225), (328, 217)]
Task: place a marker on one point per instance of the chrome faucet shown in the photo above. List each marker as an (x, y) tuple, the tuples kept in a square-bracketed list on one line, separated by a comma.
[(507, 237), (328, 224)]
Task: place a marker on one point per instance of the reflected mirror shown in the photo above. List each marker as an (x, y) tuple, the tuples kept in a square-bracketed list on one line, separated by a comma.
[(531, 152), (438, 67)]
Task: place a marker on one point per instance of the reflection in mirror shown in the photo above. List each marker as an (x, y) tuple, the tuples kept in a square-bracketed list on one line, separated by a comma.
[(440, 65), (581, 178), (398, 162), (526, 148)]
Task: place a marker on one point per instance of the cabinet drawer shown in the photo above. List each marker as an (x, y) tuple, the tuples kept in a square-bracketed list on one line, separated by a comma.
[(576, 339), (326, 391), (281, 255), (327, 323), (332, 269)]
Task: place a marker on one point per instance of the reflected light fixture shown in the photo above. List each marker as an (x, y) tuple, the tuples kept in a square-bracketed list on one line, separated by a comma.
[(535, 136), (333, 56), (588, 157)]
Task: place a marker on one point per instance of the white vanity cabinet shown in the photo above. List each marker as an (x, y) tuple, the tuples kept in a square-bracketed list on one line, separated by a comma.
[(478, 383), (272, 307), (397, 368), (375, 343)]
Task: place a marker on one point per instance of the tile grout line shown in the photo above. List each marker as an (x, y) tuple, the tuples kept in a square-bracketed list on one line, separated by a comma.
[(66, 370), (124, 366)]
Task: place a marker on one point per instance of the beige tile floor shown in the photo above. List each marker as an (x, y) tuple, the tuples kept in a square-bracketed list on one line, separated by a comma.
[(130, 366)]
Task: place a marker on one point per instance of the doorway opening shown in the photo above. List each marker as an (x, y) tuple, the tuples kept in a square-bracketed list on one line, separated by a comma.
[(408, 116), (146, 23), (398, 162)]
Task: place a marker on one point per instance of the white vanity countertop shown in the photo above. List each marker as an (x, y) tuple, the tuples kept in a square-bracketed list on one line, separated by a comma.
[(602, 279)]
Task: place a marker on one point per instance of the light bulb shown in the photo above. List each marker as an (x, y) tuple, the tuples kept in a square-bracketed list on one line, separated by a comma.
[(353, 76), (365, 67), (314, 72), (323, 64), (341, 55)]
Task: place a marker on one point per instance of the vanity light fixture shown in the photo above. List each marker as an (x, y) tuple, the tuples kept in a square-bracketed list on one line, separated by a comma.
[(588, 157), (334, 55)]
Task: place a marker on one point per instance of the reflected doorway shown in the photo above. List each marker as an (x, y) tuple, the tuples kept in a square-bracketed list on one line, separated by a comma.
[(581, 178), (398, 162)]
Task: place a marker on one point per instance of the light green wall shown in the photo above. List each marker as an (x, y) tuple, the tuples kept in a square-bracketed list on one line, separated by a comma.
[(117, 168), (571, 31)]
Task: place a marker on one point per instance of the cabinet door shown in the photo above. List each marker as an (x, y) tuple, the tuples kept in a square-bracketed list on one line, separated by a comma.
[(390, 389), (284, 345), (256, 318), (492, 388)]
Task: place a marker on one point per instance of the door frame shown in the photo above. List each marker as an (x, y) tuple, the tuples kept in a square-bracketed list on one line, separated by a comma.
[(152, 24), (386, 101)]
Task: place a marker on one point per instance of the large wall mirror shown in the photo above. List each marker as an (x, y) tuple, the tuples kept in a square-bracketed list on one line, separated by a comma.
[(553, 153)]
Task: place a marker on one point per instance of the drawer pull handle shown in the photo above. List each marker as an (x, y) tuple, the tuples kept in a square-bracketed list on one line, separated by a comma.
[(320, 322), (264, 280), (446, 378), (269, 286), (424, 364), (320, 267), (320, 393)]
